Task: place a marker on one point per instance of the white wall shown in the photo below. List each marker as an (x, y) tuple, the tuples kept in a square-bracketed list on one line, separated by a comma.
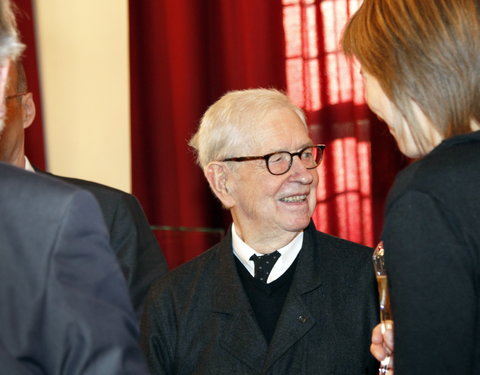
[(84, 75)]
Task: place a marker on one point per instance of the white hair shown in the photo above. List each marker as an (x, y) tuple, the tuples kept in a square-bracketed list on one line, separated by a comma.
[(231, 123)]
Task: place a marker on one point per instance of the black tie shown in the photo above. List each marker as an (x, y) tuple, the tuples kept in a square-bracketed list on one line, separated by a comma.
[(264, 264)]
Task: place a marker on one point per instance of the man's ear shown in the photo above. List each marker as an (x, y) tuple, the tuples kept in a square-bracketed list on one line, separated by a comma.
[(29, 110), (218, 174)]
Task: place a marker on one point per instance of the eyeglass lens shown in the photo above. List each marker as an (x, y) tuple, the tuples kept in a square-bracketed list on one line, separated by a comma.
[(280, 162)]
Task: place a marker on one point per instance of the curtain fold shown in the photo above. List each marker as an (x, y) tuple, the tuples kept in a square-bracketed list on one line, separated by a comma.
[(184, 56)]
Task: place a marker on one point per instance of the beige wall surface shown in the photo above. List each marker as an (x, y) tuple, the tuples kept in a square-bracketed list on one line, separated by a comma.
[(84, 77)]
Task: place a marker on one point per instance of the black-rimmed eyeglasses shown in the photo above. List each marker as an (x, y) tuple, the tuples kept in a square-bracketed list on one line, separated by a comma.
[(280, 162)]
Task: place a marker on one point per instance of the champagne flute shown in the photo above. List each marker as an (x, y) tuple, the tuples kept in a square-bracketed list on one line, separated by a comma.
[(384, 299)]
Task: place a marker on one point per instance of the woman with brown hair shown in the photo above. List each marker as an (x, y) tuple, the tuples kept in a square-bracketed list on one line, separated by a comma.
[(421, 63)]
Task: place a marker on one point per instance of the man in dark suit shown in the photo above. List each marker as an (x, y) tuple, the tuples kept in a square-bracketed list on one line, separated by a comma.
[(64, 302), (227, 311), (137, 249), (64, 306)]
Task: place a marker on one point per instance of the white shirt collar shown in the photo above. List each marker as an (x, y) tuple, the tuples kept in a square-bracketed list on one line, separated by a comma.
[(289, 253), (28, 165)]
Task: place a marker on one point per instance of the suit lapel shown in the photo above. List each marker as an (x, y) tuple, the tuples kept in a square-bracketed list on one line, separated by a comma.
[(242, 337), (296, 318), (294, 322)]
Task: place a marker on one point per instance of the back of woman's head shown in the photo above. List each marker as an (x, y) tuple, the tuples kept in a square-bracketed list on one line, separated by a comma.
[(427, 51)]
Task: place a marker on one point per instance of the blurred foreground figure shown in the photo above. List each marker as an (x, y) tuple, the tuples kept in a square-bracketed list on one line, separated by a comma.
[(64, 307), (421, 64), (131, 238)]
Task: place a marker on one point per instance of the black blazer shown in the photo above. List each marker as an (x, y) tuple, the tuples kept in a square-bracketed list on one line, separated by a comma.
[(64, 307), (198, 319), (137, 250), (432, 249)]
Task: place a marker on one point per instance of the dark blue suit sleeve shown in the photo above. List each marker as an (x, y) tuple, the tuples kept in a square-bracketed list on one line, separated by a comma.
[(87, 322)]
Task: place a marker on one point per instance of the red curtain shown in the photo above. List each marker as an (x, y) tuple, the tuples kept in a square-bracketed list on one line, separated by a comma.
[(185, 54), (34, 139), (361, 159)]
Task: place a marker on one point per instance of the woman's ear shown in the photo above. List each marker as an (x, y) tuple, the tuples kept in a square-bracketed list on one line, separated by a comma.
[(218, 175)]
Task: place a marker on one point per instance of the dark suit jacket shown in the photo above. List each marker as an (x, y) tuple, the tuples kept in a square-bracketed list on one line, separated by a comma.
[(131, 238), (64, 307), (198, 319)]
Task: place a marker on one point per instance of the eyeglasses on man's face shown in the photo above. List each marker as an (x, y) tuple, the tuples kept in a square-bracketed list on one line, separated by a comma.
[(14, 96), (280, 162)]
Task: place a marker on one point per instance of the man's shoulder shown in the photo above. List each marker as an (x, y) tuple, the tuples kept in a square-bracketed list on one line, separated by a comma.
[(198, 272), (38, 201), (336, 249), (338, 244), (110, 199), (95, 188), (23, 181), (337, 259)]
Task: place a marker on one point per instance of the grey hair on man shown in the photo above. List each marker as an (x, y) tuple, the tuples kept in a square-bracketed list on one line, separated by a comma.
[(229, 125), (10, 46)]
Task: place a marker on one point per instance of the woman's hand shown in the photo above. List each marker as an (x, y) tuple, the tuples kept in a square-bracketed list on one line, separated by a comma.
[(382, 343)]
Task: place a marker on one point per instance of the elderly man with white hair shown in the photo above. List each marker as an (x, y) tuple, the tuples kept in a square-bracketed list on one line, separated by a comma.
[(276, 296)]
